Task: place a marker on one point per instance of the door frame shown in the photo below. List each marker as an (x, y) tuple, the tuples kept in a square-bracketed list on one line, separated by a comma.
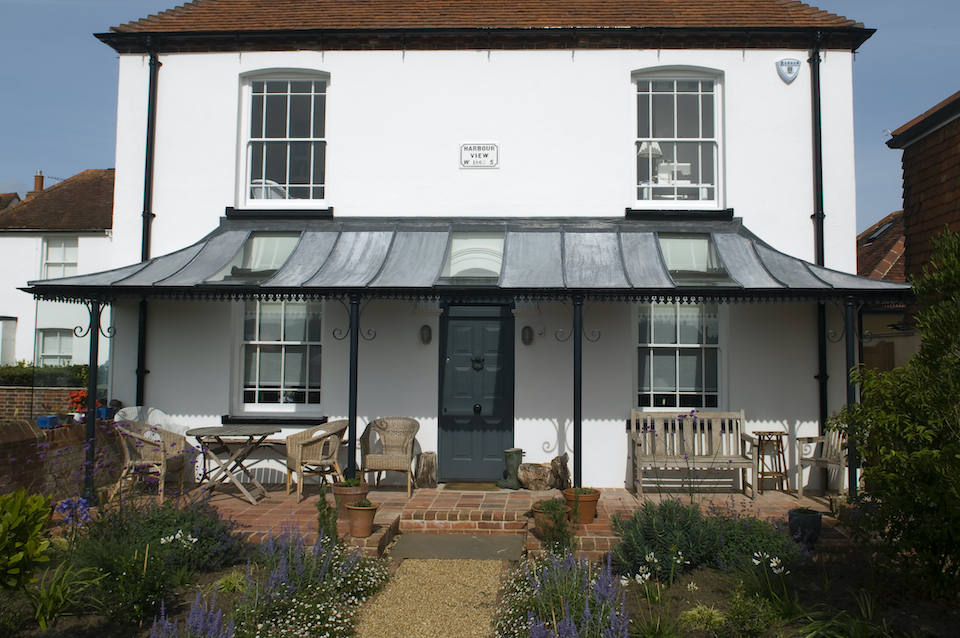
[(494, 310)]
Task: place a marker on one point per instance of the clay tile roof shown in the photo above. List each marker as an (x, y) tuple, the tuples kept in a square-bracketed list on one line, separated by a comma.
[(928, 121), (8, 199), (880, 249), (284, 15), (82, 202)]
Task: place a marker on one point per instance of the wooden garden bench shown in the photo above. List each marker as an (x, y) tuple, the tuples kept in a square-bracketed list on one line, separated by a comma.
[(826, 451), (690, 441)]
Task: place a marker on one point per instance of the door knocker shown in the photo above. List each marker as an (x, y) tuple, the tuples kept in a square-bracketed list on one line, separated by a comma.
[(477, 364)]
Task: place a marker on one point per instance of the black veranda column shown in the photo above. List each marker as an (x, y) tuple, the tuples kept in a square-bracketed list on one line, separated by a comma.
[(89, 493), (352, 409), (851, 330), (577, 390)]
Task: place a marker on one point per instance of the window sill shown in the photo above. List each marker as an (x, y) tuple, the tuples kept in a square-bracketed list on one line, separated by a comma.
[(227, 419), (680, 214), (279, 213)]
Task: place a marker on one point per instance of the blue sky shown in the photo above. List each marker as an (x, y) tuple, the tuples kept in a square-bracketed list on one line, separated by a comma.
[(58, 86)]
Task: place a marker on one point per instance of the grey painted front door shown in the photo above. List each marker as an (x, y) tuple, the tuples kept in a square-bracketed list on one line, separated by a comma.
[(476, 397)]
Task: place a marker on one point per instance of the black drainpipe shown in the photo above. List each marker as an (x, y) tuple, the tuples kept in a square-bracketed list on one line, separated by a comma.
[(147, 213), (818, 223)]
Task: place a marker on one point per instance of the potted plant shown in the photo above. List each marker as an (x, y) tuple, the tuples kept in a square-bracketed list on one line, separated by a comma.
[(547, 512), (804, 524), (582, 500), (349, 491), (361, 514)]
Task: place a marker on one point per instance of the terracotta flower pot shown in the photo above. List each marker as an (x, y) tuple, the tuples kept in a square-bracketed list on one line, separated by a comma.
[(542, 518), (344, 495), (361, 520), (587, 504)]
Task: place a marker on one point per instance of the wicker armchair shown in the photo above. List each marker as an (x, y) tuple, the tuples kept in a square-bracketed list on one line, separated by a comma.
[(150, 449), (313, 452), (397, 434)]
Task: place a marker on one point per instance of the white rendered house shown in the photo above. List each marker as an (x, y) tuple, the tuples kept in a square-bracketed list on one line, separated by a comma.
[(59, 231), (513, 223)]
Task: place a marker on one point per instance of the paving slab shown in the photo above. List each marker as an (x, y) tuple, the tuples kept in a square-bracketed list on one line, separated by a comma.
[(459, 546)]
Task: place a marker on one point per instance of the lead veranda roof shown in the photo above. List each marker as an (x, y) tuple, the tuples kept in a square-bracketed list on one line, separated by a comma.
[(542, 258)]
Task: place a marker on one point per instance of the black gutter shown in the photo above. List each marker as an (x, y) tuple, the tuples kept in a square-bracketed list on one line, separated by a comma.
[(232, 40), (818, 240), (147, 214)]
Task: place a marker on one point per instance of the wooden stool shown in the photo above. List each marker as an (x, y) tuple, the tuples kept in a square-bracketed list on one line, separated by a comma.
[(777, 467)]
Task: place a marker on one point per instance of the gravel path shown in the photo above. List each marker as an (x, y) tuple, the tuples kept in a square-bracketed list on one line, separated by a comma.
[(431, 598)]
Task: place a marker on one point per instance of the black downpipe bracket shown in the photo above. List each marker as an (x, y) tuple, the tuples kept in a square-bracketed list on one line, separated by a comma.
[(147, 213)]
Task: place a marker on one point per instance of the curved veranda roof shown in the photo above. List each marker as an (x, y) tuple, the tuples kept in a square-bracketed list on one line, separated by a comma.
[(543, 258)]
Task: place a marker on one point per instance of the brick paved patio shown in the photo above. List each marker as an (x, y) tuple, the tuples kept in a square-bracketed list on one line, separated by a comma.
[(502, 512)]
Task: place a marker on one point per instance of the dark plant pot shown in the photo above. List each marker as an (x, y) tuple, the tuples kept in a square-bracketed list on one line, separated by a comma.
[(344, 495), (361, 520), (587, 505), (805, 526)]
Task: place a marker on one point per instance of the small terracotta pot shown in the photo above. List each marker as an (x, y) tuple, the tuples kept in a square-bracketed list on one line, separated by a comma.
[(361, 520), (542, 519), (587, 504), (343, 495)]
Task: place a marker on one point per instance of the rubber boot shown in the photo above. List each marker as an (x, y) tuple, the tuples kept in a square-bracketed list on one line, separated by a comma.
[(513, 457)]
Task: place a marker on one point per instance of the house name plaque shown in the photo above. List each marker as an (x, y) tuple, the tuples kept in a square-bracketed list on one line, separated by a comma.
[(480, 155)]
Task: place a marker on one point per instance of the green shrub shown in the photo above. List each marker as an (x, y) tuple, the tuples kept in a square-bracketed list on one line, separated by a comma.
[(907, 430), (749, 617), (133, 587), (24, 375), (23, 520), (742, 535), (183, 532), (663, 530)]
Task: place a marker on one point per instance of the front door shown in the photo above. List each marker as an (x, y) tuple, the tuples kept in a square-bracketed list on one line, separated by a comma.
[(476, 394)]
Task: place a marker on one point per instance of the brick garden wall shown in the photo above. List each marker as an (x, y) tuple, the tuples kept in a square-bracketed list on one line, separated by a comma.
[(53, 461), (29, 403)]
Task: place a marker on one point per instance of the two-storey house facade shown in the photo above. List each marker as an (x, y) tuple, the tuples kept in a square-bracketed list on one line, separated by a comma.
[(512, 222)]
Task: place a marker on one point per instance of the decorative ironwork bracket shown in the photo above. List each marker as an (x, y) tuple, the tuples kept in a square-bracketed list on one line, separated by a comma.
[(340, 335)]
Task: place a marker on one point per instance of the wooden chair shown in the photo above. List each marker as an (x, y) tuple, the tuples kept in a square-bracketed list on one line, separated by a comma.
[(313, 452), (150, 449), (827, 451), (397, 434)]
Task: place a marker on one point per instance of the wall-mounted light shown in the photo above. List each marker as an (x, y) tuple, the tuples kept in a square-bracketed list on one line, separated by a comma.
[(526, 335), (426, 334)]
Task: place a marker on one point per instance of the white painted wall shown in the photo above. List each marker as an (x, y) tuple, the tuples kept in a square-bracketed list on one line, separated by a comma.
[(768, 361), (565, 123)]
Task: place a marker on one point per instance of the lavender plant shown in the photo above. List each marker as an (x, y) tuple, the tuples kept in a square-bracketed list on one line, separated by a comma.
[(561, 596), (305, 590), (203, 621)]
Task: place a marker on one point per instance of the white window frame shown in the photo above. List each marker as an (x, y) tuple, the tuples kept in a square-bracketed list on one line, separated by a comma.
[(62, 336), (55, 257), (241, 406), (244, 196), (676, 392), (680, 183)]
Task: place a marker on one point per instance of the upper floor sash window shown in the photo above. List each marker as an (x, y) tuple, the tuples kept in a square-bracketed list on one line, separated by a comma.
[(677, 138), (286, 145)]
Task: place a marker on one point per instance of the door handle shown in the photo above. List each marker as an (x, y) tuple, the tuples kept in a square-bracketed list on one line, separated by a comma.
[(477, 408)]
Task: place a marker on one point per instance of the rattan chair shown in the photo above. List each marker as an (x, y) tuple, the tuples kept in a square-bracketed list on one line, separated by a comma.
[(313, 452), (150, 449), (397, 434)]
